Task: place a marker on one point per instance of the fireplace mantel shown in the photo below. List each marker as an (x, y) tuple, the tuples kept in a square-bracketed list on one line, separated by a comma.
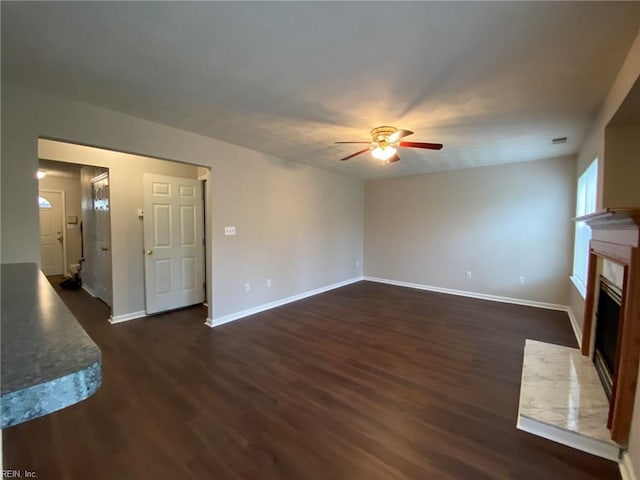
[(615, 235)]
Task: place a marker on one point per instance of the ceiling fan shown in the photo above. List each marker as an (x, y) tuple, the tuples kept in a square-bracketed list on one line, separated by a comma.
[(385, 142)]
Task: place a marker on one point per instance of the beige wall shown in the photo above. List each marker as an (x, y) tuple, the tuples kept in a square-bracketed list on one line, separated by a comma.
[(594, 146), (621, 181), (299, 225), (499, 222), (71, 188)]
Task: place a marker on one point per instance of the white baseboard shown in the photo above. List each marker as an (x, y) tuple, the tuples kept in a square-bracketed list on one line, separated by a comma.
[(268, 306), (482, 296), (626, 468), (88, 290), (127, 316), (574, 324), (464, 293)]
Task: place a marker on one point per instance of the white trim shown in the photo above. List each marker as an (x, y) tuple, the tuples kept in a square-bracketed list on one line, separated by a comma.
[(626, 468), (267, 306), (571, 439), (127, 316), (579, 286), (464, 293), (88, 289), (574, 324)]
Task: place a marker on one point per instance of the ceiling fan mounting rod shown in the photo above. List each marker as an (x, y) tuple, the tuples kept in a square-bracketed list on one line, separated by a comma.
[(382, 134)]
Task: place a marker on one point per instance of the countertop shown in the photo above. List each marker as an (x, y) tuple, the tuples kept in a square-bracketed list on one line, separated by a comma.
[(48, 361)]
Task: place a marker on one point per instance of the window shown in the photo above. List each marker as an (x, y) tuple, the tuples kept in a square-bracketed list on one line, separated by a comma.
[(43, 202), (585, 204)]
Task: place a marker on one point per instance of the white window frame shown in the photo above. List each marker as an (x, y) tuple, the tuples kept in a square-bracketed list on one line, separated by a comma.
[(586, 198)]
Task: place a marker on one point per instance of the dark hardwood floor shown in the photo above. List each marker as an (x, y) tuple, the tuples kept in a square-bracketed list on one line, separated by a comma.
[(368, 381)]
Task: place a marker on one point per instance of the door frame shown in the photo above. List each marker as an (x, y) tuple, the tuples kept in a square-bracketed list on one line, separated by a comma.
[(207, 199), (204, 179), (63, 225), (97, 178)]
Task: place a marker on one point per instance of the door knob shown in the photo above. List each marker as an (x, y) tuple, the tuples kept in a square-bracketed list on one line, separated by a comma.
[(105, 249), (149, 252)]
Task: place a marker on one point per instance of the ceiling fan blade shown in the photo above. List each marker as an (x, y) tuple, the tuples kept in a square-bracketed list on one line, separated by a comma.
[(400, 134), (395, 158), (430, 146), (354, 154), (352, 142)]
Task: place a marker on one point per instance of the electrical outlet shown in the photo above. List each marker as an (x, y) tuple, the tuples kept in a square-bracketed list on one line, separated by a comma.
[(247, 287), (521, 279), (268, 283), (230, 230), (469, 273)]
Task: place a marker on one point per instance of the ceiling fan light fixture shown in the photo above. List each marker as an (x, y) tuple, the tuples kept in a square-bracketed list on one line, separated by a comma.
[(385, 142), (383, 153)]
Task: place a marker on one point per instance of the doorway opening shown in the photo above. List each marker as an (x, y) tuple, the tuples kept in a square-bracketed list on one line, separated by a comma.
[(143, 228), (75, 226), (98, 229)]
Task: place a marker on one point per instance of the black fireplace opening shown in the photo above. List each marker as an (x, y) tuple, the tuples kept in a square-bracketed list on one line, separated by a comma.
[(606, 339)]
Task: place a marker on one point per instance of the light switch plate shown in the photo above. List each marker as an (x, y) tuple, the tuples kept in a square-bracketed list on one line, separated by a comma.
[(230, 230)]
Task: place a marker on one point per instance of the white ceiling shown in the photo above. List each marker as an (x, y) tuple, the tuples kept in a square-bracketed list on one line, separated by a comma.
[(493, 81)]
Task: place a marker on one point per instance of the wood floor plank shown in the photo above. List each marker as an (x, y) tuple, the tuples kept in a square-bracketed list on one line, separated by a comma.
[(364, 382)]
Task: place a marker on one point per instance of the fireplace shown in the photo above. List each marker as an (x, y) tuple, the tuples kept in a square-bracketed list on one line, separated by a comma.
[(615, 236), (606, 334)]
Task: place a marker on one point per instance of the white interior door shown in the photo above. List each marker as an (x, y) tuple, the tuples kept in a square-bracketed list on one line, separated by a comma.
[(173, 239), (102, 238), (51, 232)]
